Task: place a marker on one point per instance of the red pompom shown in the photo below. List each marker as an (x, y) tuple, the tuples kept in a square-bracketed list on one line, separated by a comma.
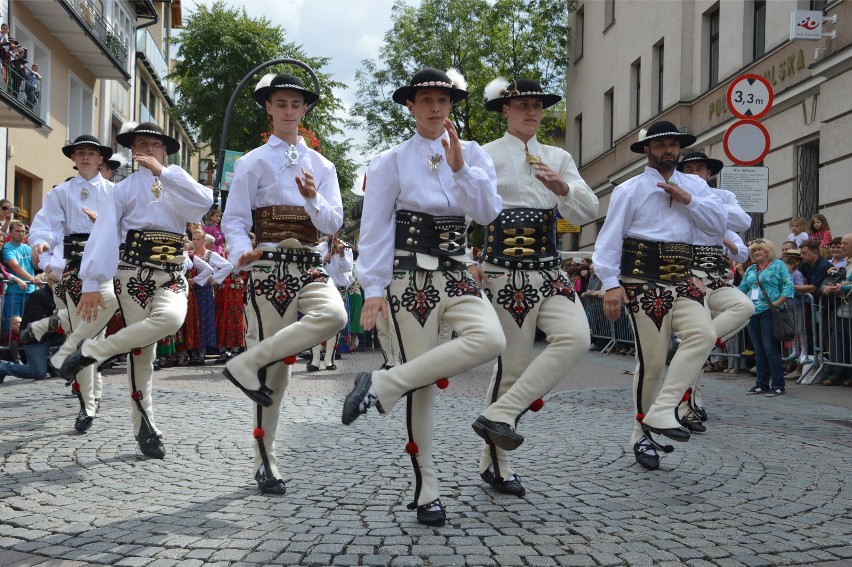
[(257, 433), (291, 360), (442, 383), (137, 395), (137, 351), (687, 394), (75, 387), (720, 343), (537, 405), (640, 417), (411, 449)]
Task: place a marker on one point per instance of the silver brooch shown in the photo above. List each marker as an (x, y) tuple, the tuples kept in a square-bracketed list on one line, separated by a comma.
[(293, 156), (434, 161), (84, 193), (157, 189)]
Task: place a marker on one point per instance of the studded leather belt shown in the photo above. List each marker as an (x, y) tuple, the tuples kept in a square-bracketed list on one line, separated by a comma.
[(522, 238), (153, 249), (667, 262), (307, 258), (430, 234), (709, 259), (409, 264), (72, 248), (280, 222)]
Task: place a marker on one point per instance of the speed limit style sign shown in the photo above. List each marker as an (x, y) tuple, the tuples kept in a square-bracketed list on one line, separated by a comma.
[(749, 97)]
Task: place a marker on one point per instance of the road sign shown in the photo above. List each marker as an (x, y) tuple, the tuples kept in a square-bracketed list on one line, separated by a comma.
[(746, 142), (749, 184), (750, 96)]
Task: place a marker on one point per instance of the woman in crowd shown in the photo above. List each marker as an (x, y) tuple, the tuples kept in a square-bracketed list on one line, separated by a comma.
[(768, 284)]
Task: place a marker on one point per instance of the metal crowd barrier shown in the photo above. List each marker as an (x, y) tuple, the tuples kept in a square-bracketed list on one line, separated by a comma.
[(614, 332), (832, 317)]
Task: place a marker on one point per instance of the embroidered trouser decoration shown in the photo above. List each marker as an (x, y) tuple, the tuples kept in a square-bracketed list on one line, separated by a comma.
[(657, 310)]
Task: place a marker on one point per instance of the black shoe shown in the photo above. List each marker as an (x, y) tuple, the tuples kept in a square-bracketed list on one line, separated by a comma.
[(306, 354), (151, 446), (331, 367), (674, 433), (75, 362), (694, 425), (260, 396), (223, 358), (427, 517), (498, 433), (2, 378), (268, 484), (27, 336), (646, 455), (359, 400), (512, 487), (312, 368), (53, 323), (700, 412), (83, 421)]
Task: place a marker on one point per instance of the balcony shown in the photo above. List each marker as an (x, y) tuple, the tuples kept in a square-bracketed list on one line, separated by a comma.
[(155, 62), (104, 55), (20, 104)]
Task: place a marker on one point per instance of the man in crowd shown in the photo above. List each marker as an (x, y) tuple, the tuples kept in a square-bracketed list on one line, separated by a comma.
[(814, 267), (646, 242), (534, 181), (152, 207), (289, 192), (17, 255)]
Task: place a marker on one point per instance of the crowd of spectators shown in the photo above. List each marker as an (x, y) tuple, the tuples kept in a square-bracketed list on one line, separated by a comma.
[(17, 71)]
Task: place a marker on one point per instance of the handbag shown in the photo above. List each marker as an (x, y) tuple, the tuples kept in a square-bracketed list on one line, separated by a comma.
[(783, 328)]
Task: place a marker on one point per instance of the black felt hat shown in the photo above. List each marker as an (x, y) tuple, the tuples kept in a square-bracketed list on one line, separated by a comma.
[(433, 79), (714, 165), (281, 82), (148, 129), (661, 129), (499, 92), (87, 140)]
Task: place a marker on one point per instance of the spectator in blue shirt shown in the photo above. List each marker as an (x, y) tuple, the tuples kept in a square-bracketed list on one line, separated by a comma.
[(17, 256)]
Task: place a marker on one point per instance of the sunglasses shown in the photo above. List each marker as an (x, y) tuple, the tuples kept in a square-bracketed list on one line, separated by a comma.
[(5, 208)]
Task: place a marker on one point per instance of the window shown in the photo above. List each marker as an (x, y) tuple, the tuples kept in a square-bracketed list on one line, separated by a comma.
[(756, 228), (609, 13), (598, 226), (818, 5), (807, 179), (759, 29), (659, 56), (575, 241), (713, 48), (81, 106), (635, 92), (578, 140), (608, 119), (579, 29), (23, 197)]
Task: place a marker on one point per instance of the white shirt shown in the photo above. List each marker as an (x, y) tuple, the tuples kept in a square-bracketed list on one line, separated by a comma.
[(221, 267), (183, 200), (640, 209), (738, 219), (205, 270), (742, 249), (262, 178), (339, 268), (520, 188), (400, 178), (62, 214)]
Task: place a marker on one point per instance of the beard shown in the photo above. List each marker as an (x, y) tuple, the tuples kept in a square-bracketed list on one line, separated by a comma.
[(663, 162)]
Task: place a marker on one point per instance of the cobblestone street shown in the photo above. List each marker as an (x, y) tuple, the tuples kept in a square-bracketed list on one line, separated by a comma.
[(768, 484)]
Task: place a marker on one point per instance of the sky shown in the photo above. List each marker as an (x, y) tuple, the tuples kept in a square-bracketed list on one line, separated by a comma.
[(347, 31)]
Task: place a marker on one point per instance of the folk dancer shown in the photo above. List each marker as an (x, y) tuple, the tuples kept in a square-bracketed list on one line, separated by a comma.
[(646, 240), (412, 260), (152, 207), (337, 258), (522, 265), (59, 232), (289, 192), (731, 309)]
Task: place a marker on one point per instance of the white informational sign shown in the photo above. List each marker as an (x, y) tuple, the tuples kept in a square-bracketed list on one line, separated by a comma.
[(806, 24), (746, 142), (749, 184), (749, 96)]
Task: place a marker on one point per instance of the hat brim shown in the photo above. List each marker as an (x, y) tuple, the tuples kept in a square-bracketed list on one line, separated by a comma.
[(262, 94), (714, 165), (496, 104), (126, 140), (404, 94), (106, 151), (685, 140)]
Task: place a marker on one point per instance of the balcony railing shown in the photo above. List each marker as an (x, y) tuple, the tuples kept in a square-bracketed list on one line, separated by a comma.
[(15, 85), (152, 57), (101, 29)]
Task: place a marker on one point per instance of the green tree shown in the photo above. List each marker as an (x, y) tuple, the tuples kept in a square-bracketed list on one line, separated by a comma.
[(481, 39), (217, 47)]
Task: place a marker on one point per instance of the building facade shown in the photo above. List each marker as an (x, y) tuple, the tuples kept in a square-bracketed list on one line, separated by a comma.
[(634, 63), (102, 63)]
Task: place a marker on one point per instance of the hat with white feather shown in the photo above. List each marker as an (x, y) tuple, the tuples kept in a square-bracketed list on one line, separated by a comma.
[(500, 91), (430, 78)]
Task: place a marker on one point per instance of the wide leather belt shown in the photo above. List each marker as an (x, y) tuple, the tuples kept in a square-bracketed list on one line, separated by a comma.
[(307, 258), (72, 247), (280, 222), (409, 264), (522, 238), (429, 234), (667, 262), (709, 259), (154, 249)]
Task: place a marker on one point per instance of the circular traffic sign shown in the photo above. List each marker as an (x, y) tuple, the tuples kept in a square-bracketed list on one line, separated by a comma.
[(750, 96), (746, 142)]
